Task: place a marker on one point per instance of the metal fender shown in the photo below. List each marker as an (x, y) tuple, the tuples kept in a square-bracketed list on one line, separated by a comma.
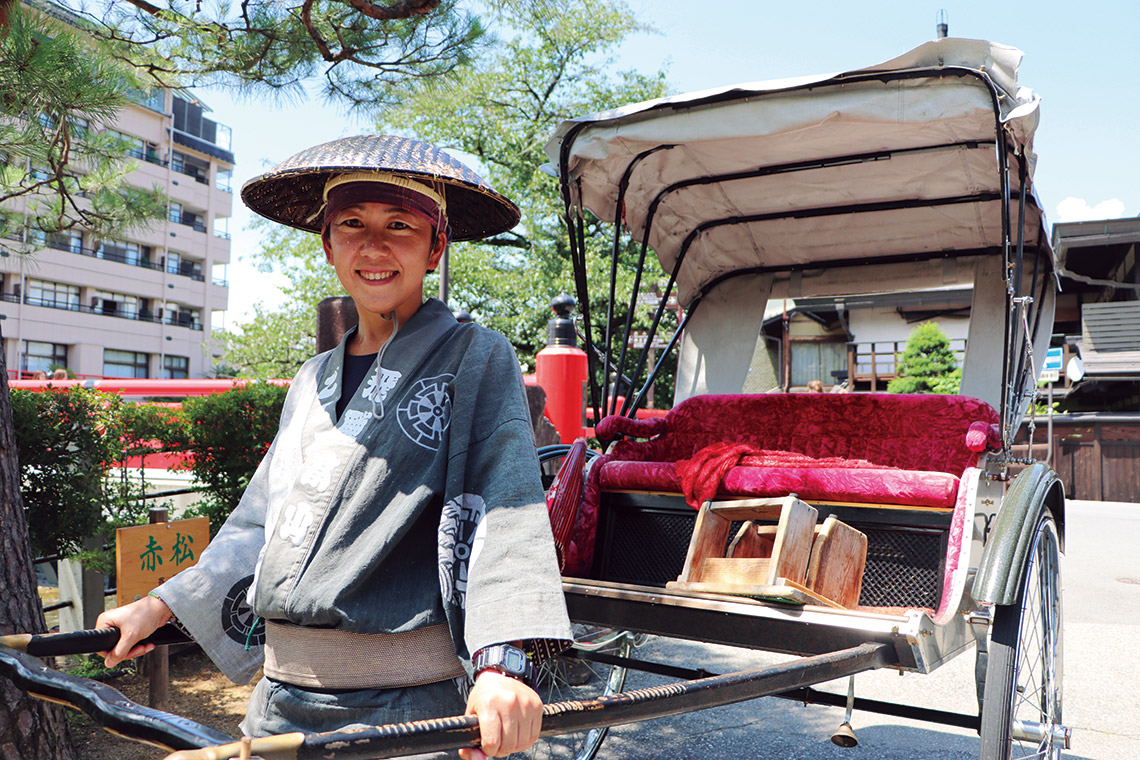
[(1035, 491)]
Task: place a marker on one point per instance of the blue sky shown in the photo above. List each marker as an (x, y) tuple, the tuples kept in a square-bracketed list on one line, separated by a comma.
[(1082, 58)]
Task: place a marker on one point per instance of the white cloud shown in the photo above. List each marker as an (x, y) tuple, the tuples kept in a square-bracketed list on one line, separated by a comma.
[(1078, 210)]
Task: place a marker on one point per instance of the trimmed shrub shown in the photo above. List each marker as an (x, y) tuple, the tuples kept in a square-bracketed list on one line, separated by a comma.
[(927, 364), (229, 434)]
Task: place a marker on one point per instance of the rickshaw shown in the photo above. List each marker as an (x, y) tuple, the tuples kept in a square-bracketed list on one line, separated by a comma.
[(884, 186), (892, 184)]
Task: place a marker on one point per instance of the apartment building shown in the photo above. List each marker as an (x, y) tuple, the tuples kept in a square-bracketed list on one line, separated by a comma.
[(139, 306)]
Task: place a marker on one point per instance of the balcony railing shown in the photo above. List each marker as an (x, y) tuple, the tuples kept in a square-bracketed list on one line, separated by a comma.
[(109, 309), (877, 362), (188, 219), (199, 177), (121, 258), (148, 156)]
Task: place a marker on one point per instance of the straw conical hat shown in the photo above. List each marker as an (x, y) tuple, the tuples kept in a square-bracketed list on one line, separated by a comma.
[(291, 192)]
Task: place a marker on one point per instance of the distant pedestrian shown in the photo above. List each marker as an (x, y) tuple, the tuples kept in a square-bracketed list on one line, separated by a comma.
[(815, 386), (59, 374), (39, 374)]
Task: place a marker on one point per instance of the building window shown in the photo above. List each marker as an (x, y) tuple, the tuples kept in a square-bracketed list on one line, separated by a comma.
[(125, 253), (175, 264), (196, 168), (66, 241), (135, 147), (182, 317), (40, 173), (821, 361), (124, 363), (175, 367), (54, 295), (41, 357), (154, 99), (180, 215), (37, 237), (115, 304)]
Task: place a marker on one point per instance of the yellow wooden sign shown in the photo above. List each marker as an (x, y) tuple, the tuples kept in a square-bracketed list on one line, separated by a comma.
[(147, 555)]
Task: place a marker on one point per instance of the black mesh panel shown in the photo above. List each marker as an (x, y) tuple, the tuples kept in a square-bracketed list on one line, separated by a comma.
[(644, 547), (903, 569)]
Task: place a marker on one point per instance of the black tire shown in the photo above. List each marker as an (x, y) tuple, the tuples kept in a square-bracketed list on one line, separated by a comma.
[(550, 459), (1021, 708)]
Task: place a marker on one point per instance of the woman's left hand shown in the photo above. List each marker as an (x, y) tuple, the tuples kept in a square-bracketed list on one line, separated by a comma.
[(509, 712)]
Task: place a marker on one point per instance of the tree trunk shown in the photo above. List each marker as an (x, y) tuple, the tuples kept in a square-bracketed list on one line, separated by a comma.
[(30, 729)]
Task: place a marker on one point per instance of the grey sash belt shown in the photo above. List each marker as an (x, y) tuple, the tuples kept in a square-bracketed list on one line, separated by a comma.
[(327, 658)]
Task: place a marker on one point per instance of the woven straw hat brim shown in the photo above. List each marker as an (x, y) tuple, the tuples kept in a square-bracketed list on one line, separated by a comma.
[(291, 192)]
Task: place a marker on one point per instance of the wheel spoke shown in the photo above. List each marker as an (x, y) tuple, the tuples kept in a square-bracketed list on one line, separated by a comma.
[(576, 678)]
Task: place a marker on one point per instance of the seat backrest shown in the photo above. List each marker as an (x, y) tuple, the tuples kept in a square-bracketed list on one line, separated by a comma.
[(909, 431)]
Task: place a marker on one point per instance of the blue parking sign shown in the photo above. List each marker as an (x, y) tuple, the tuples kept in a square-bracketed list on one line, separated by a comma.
[(1054, 359)]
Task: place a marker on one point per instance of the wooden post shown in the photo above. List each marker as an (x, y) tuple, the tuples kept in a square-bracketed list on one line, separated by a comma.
[(158, 661), (1098, 468)]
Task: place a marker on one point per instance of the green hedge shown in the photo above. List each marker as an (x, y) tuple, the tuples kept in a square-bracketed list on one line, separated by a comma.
[(71, 441), (229, 434)]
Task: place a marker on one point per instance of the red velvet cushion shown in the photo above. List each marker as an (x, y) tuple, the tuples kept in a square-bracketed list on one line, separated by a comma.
[(885, 486), (887, 448)]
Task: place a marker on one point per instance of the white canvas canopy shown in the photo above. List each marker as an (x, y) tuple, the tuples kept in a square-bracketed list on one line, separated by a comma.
[(897, 159), (911, 174)]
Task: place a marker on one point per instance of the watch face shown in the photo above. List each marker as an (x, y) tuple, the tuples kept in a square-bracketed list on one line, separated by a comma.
[(514, 660)]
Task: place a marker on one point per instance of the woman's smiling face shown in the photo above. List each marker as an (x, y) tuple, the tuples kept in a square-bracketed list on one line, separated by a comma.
[(381, 253)]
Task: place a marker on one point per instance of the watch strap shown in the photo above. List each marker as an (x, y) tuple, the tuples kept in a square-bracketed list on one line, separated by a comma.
[(506, 659)]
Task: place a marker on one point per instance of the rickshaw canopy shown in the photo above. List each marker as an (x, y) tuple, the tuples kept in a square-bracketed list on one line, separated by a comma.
[(912, 174)]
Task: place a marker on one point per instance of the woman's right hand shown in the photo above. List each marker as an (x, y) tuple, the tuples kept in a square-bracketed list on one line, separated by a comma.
[(135, 622)]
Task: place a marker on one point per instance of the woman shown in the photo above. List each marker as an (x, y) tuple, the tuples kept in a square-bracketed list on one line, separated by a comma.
[(395, 538)]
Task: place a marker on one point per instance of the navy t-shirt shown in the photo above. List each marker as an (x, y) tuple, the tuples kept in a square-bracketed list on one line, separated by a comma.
[(355, 370)]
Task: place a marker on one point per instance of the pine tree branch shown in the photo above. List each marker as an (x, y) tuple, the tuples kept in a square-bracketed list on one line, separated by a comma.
[(404, 9)]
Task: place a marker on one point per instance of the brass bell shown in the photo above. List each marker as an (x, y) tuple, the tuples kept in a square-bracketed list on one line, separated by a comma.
[(844, 736)]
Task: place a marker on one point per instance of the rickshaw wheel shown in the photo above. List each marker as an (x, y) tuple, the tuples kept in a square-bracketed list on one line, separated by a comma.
[(1021, 709), (550, 459), (573, 678)]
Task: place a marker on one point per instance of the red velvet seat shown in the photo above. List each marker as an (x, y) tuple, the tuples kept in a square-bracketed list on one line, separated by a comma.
[(864, 448)]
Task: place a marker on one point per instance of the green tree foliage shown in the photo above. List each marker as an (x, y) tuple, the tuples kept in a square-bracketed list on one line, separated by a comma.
[(927, 365), (274, 344), (551, 60), (71, 443), (58, 167), (229, 435), (66, 441), (544, 61), (361, 52)]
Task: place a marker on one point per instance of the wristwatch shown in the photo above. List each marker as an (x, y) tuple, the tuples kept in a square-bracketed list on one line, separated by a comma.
[(506, 659)]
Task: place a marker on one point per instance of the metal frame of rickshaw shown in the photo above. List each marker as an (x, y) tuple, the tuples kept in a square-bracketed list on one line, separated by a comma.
[(1022, 537), (1021, 531)]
